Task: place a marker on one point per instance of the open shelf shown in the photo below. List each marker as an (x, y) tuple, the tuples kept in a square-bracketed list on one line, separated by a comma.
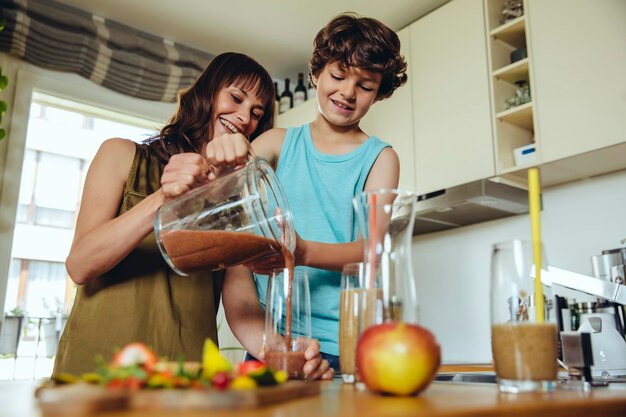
[(521, 116), (512, 32), (514, 127), (513, 72)]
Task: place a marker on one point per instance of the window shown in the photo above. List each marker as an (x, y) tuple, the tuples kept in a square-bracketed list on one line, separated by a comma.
[(61, 139)]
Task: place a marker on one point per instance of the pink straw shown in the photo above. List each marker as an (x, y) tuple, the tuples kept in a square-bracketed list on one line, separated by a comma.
[(372, 221)]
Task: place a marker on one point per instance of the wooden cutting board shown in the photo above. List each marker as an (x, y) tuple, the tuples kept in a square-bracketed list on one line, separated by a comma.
[(83, 399), (192, 399)]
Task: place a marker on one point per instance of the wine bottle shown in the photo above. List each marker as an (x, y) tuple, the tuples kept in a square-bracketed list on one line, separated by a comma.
[(286, 98), (299, 93), (311, 92), (276, 98)]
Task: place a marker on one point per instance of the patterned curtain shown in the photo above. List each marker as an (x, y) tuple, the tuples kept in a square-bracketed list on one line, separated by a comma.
[(63, 38)]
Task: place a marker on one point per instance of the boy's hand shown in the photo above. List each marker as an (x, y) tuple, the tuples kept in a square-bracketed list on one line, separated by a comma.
[(315, 367), (266, 264), (226, 151), (182, 173)]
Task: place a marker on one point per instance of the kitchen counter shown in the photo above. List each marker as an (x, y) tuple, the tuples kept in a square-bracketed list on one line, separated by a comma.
[(337, 399)]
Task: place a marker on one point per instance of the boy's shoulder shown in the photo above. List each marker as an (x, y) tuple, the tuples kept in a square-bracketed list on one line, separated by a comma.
[(269, 143)]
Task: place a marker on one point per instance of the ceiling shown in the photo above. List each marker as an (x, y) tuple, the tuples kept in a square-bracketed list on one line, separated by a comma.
[(277, 33)]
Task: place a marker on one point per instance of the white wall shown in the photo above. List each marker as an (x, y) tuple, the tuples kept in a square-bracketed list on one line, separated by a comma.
[(452, 268)]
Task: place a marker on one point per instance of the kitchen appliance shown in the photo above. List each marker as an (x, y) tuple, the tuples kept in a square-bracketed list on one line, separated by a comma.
[(610, 262), (466, 204), (603, 321)]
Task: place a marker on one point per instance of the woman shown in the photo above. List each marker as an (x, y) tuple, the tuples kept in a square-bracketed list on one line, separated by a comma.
[(126, 291)]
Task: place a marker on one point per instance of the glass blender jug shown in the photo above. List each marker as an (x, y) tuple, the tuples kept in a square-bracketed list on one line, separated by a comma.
[(240, 216)]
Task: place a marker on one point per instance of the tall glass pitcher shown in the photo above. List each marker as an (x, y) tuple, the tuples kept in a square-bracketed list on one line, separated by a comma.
[(386, 220), (240, 216)]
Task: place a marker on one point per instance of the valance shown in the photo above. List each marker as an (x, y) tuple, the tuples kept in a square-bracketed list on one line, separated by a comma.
[(60, 37)]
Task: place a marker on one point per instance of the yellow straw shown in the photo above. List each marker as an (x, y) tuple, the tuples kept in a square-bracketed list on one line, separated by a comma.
[(535, 207)]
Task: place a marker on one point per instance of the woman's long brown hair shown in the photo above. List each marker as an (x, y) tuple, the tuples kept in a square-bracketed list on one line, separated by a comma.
[(190, 127)]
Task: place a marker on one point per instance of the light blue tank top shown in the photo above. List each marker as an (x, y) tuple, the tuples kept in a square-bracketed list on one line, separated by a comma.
[(319, 189)]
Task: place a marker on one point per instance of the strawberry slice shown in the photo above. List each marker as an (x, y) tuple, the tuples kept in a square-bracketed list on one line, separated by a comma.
[(135, 354), (250, 366)]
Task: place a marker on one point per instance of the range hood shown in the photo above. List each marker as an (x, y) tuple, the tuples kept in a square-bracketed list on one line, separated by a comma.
[(466, 204)]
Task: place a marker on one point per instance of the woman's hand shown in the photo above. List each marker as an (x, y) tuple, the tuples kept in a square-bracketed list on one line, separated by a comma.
[(315, 367), (182, 173), (226, 151)]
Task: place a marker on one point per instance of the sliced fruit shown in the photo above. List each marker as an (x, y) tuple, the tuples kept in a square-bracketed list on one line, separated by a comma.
[(243, 383), (213, 361), (161, 380), (133, 354), (65, 378), (280, 376), (248, 367), (91, 378), (220, 380), (263, 377)]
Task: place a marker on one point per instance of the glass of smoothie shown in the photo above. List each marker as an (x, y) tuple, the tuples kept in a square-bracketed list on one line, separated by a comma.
[(287, 321), (352, 277), (524, 346), (360, 307)]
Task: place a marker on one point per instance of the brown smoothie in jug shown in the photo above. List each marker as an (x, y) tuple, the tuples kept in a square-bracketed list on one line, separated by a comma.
[(197, 250), (525, 351)]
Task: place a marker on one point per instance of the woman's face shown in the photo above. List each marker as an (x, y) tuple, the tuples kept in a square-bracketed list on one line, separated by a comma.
[(236, 111)]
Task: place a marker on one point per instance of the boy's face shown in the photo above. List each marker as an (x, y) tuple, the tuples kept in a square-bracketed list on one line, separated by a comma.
[(236, 111), (345, 94)]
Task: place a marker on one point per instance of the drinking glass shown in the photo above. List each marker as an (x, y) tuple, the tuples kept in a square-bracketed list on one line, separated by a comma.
[(359, 308), (287, 321), (386, 219), (524, 346)]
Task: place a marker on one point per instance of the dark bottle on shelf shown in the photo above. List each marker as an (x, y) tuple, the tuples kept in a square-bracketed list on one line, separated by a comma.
[(286, 98), (276, 97), (299, 93), (311, 92)]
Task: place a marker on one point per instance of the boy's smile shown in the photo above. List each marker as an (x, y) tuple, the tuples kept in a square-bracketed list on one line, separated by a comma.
[(345, 94)]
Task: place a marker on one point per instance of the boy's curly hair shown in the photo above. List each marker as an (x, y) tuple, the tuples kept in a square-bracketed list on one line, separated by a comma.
[(364, 43)]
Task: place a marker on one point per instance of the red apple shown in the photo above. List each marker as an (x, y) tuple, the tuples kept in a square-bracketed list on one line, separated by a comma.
[(397, 358)]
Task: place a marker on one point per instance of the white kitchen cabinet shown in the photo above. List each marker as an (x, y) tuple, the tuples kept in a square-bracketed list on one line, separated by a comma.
[(390, 120), (576, 63), (451, 104), (513, 124), (579, 71)]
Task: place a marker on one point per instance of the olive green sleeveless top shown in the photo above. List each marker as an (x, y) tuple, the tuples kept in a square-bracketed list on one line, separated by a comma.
[(141, 299)]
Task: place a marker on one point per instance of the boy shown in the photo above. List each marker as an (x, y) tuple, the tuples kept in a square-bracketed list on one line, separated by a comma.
[(322, 165)]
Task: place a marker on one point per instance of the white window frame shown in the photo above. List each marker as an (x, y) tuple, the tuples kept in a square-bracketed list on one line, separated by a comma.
[(67, 86)]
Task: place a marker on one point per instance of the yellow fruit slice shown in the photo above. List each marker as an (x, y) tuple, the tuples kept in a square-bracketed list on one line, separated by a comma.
[(242, 383), (213, 361)]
